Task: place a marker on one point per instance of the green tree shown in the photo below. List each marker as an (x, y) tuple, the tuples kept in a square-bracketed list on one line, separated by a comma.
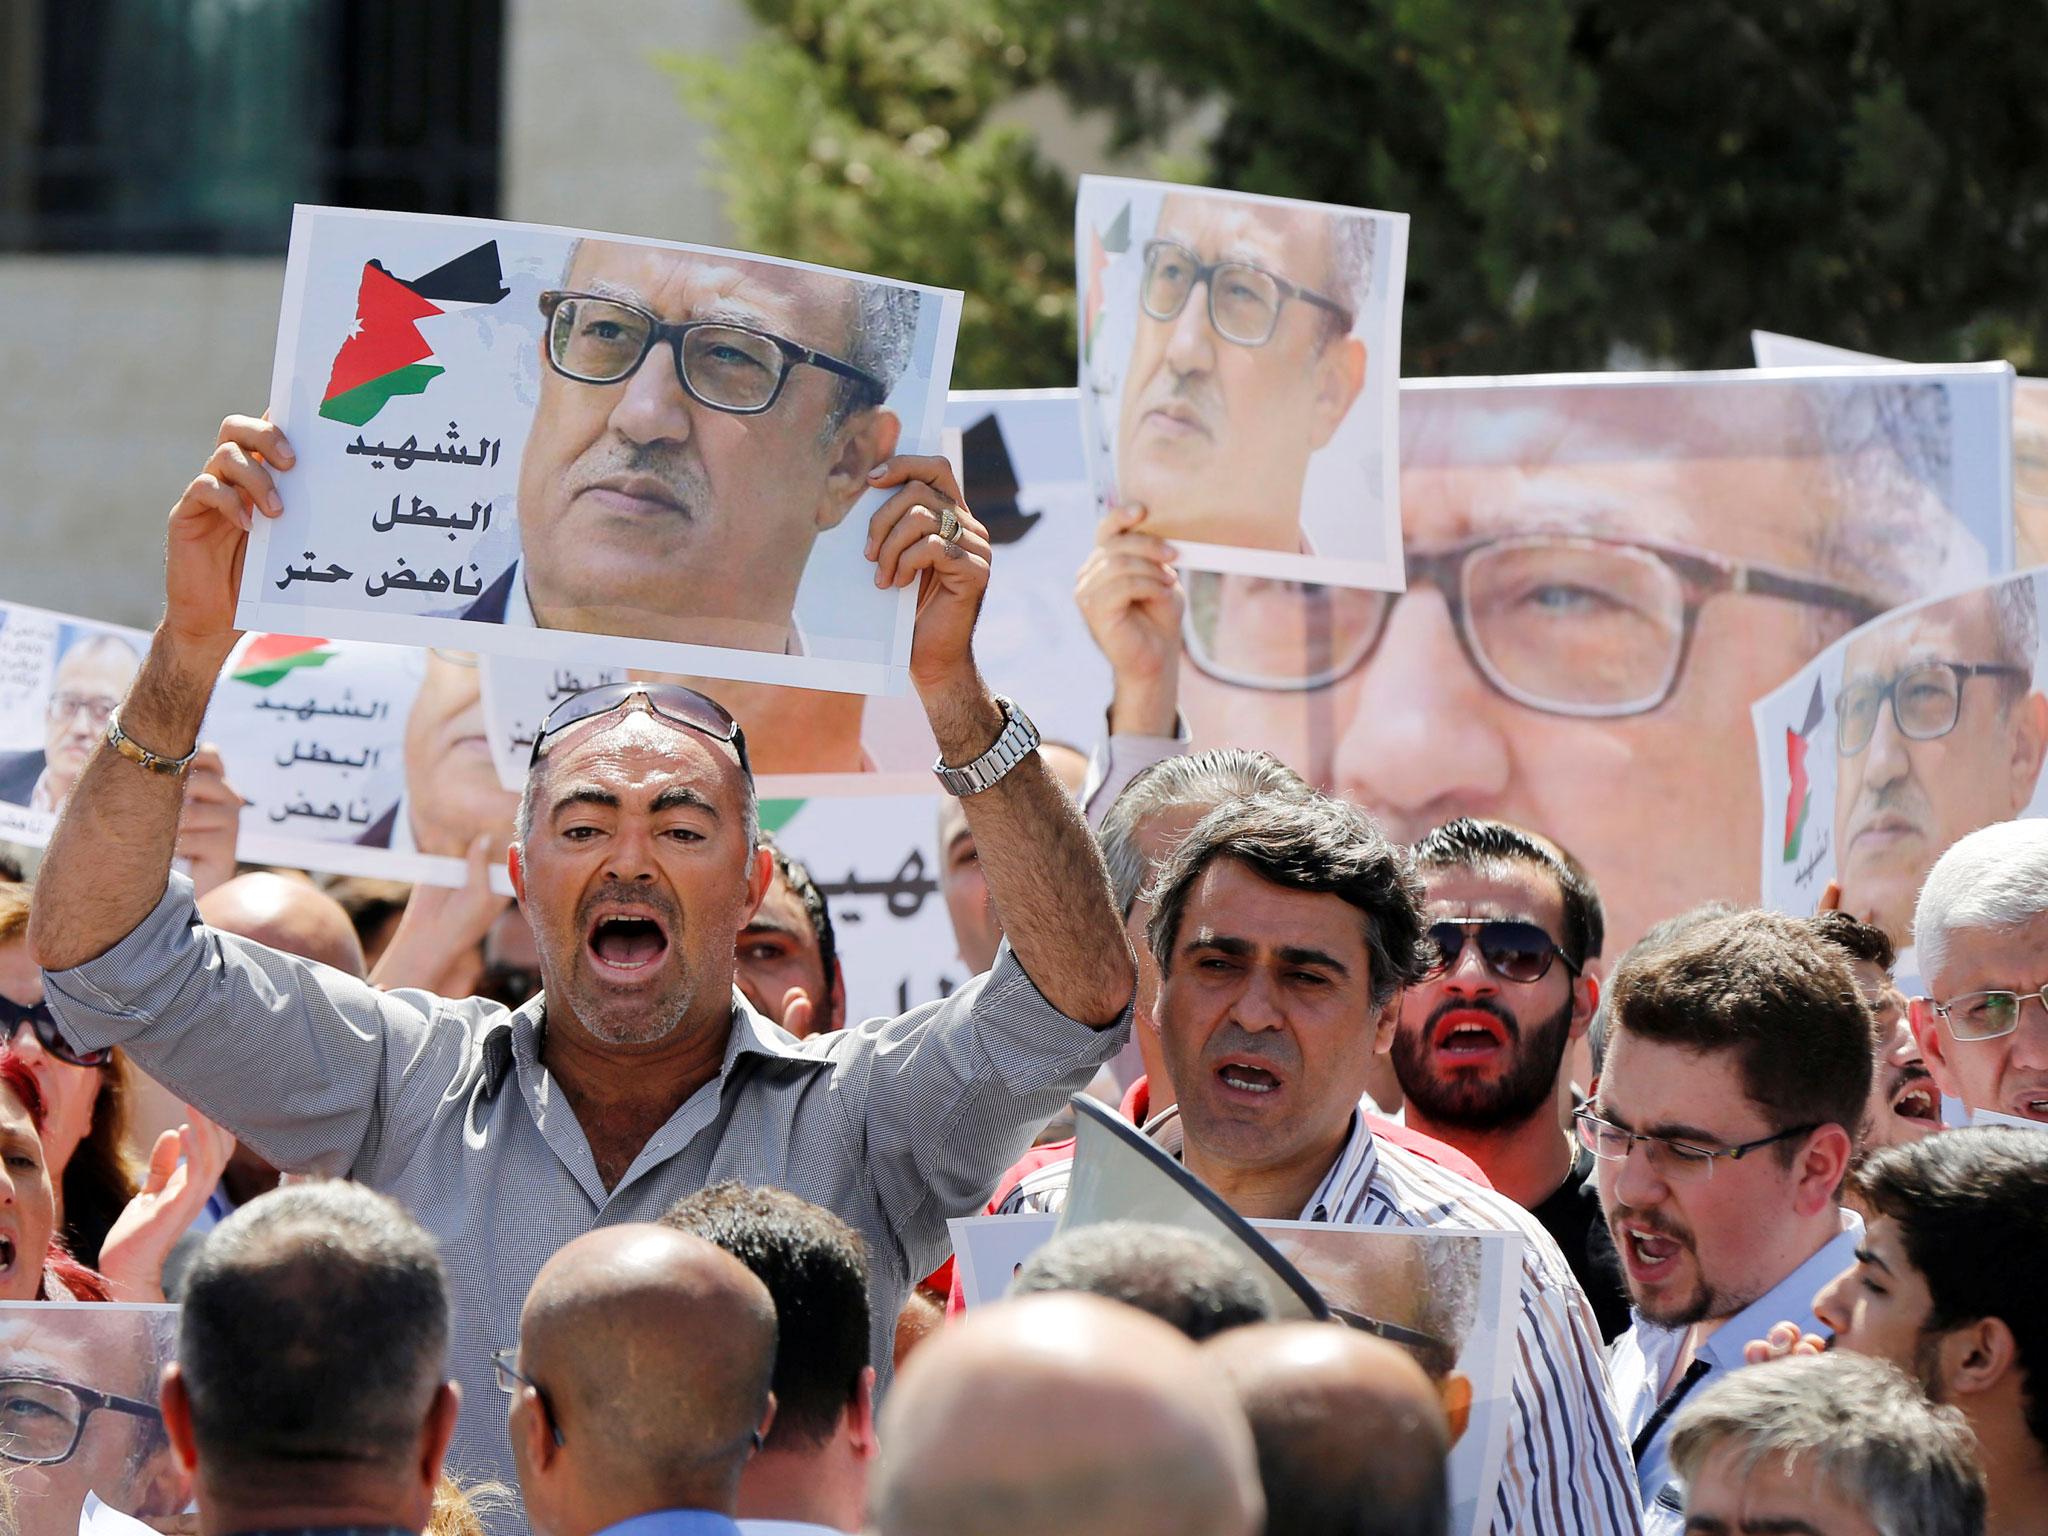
[(1581, 175)]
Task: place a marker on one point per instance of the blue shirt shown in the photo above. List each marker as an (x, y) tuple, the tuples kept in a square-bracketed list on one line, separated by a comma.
[(1642, 1359), (676, 1522)]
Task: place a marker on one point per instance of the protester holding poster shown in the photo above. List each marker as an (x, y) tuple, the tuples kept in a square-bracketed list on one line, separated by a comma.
[(1237, 375), (662, 452), (637, 863)]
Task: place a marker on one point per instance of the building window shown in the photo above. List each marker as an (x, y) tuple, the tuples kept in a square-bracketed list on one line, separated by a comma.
[(194, 125)]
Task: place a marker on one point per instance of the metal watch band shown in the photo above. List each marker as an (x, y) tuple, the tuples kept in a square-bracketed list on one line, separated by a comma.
[(140, 755), (1017, 741)]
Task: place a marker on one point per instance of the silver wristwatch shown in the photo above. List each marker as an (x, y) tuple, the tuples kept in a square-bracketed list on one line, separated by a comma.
[(1019, 739)]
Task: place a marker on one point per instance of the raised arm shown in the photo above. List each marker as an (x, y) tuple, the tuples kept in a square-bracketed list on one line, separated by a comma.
[(1044, 871), (110, 856)]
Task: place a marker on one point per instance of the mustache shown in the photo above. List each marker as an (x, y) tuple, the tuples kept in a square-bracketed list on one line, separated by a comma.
[(1900, 797), (1197, 391), (626, 895), (1271, 1045), (674, 464), (1649, 1221)]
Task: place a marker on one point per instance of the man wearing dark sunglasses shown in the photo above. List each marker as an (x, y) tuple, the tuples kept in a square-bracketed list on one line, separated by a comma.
[(639, 1073), (1480, 1050), (1939, 730), (702, 421), (1242, 365)]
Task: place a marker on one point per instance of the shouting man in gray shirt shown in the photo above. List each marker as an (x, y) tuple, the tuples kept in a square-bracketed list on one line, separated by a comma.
[(640, 1074)]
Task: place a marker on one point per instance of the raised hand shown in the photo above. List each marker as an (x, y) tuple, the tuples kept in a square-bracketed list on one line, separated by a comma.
[(904, 542), (185, 1166), (1132, 600), (210, 528)]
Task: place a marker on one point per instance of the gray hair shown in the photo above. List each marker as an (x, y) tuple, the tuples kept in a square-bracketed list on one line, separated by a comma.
[(1865, 1430), (1450, 1303), (1996, 878), (2017, 612), (1204, 779), (1182, 1278), (315, 1330), (1352, 237)]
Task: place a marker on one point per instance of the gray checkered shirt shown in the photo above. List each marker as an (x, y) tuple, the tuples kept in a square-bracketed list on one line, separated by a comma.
[(895, 1125)]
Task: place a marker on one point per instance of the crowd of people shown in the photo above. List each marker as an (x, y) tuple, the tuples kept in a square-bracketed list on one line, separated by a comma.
[(601, 1213)]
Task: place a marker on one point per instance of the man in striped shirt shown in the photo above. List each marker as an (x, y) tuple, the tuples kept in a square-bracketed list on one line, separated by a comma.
[(1284, 932)]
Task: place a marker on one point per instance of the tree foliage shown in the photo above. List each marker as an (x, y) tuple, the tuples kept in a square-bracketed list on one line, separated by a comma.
[(1582, 176)]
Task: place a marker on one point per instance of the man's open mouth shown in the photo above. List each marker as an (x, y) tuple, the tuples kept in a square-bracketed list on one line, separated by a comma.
[(1469, 1033), (1247, 1078), (626, 944), (6, 1255), (1917, 1099)]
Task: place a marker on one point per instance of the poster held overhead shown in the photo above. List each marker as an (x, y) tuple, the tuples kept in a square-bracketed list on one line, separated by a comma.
[(569, 446), (1239, 361)]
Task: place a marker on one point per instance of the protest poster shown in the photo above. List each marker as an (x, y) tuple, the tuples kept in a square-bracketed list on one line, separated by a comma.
[(78, 1413), (1903, 736), (358, 759), (1449, 1296), (876, 861), (574, 447), (1605, 572), (2029, 433), (1019, 460), (60, 677), (1239, 365)]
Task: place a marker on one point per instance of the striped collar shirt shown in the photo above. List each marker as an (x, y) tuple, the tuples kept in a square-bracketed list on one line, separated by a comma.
[(1566, 1471)]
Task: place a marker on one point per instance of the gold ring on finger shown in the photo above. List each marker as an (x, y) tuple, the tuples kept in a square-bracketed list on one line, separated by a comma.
[(949, 526)]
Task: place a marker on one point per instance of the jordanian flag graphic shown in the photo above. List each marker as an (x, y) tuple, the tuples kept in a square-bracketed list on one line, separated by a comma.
[(1799, 794), (268, 659), (1102, 244), (385, 355)]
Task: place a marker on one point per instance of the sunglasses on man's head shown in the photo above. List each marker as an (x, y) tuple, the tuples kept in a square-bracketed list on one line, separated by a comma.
[(39, 1018), (672, 701), (1513, 950)]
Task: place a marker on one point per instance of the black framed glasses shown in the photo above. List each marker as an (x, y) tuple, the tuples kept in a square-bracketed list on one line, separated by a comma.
[(672, 701), (729, 367), (1676, 1161), (96, 707), (1985, 1015), (43, 1419), (1568, 625), (1926, 699), (1433, 1353), (1244, 300), (505, 1362), (1512, 949), (37, 1016)]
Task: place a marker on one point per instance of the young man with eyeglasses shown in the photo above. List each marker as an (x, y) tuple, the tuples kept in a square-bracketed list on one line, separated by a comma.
[(1242, 365), (1601, 579), (89, 681), (1284, 928), (1939, 730), (638, 1074), (1981, 937), (1736, 1071), (1482, 1041)]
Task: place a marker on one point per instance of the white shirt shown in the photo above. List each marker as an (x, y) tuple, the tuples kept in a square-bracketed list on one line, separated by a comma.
[(519, 615), (1642, 1360), (788, 1528)]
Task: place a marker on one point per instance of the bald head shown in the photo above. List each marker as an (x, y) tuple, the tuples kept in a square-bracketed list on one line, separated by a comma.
[(1351, 1439), (287, 914), (655, 1349), (1130, 1431)]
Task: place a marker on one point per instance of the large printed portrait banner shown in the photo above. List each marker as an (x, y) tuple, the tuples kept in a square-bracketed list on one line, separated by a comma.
[(1451, 1296), (575, 447), (1019, 460), (1239, 363), (60, 677), (1905, 735), (1604, 573), (78, 1413), (2029, 432)]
